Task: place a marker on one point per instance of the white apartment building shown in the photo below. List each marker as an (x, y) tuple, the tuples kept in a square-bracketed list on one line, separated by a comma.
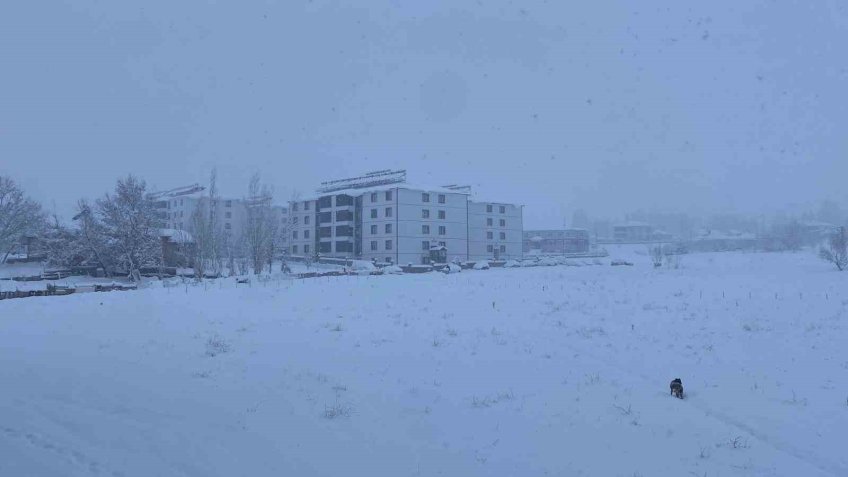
[(381, 217), (176, 206)]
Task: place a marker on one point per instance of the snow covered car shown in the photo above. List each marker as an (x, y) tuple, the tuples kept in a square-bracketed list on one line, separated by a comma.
[(393, 270), (529, 263), (620, 262), (362, 267), (547, 262), (511, 264), (451, 268), (481, 265)]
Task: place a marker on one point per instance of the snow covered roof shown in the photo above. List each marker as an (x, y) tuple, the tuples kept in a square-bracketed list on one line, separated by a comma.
[(176, 236), (354, 192)]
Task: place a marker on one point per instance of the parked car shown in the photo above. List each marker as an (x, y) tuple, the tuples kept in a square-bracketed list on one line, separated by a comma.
[(481, 265), (511, 264)]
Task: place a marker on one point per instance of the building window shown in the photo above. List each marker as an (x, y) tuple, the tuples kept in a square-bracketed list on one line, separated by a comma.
[(442, 230), (425, 229), (344, 216), (503, 235), (343, 200), (502, 209), (374, 245), (490, 235), (305, 220), (388, 228), (490, 248), (344, 247), (373, 197), (324, 247), (324, 202), (489, 209), (425, 197), (489, 221), (388, 244), (388, 259), (388, 195), (344, 231), (425, 245), (442, 214), (227, 226), (228, 215), (373, 213), (425, 214), (374, 229), (325, 232), (294, 219), (294, 248), (441, 198), (306, 234), (388, 211), (229, 203), (306, 205), (306, 249), (294, 234), (442, 244), (503, 248), (325, 217), (502, 222)]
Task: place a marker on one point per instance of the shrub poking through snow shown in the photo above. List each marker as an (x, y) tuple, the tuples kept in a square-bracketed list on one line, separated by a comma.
[(216, 345)]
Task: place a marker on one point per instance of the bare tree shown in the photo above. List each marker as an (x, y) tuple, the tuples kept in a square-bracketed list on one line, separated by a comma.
[(656, 253), (836, 251), (19, 216), (259, 226)]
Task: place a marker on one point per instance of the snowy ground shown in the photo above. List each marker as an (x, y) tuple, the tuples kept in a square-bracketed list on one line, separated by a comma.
[(538, 371)]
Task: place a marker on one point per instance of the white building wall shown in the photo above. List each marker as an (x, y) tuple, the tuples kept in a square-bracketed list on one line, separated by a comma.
[(411, 223), (374, 229), (302, 233), (505, 241)]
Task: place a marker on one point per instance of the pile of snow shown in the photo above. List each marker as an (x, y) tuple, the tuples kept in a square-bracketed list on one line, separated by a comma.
[(511, 264)]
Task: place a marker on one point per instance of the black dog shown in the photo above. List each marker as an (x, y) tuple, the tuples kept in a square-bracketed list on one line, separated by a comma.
[(677, 388)]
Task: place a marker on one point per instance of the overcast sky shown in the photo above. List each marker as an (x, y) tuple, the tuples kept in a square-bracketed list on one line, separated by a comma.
[(607, 106)]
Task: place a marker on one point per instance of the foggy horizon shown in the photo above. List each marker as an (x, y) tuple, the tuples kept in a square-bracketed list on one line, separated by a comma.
[(609, 108)]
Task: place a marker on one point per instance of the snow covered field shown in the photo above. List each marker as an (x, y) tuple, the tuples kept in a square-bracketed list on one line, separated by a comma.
[(535, 371)]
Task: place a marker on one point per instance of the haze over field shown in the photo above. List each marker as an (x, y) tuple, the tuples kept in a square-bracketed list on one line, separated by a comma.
[(698, 107)]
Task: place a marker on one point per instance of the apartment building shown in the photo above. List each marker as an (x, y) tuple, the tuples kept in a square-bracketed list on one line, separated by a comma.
[(379, 216), (176, 206)]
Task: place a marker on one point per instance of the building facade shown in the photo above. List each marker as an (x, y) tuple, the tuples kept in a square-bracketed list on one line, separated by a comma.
[(380, 217), (560, 241), (175, 208), (632, 232)]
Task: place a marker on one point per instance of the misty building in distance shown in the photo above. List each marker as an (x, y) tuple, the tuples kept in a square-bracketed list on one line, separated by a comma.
[(380, 216), (175, 207), (561, 241)]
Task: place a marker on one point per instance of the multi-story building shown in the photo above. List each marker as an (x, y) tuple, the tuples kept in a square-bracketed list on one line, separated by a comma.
[(559, 241), (632, 232), (381, 217), (176, 206)]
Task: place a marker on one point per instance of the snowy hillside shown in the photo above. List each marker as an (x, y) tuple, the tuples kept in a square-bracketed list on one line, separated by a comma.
[(526, 371)]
